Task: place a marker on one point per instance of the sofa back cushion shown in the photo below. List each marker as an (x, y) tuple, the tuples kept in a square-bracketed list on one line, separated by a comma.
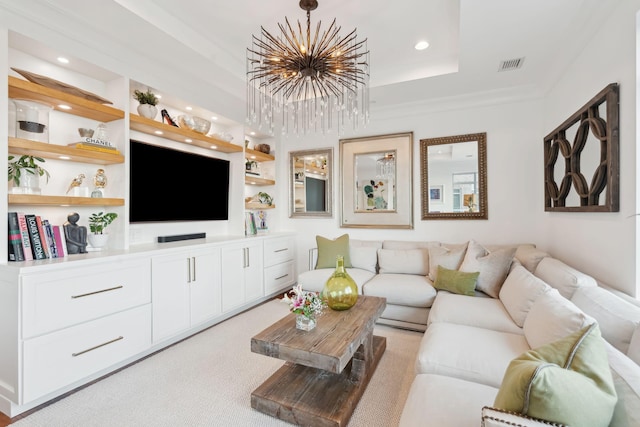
[(530, 256), (618, 319), (407, 261), (519, 291), (364, 254), (626, 379), (492, 266), (551, 318), (409, 244), (562, 277)]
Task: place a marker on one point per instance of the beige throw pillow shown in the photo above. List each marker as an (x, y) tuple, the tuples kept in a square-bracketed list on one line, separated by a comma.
[(493, 266), (519, 291), (447, 256)]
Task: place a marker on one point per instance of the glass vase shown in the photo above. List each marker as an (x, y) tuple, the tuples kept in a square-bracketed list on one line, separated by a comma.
[(340, 291), (305, 323)]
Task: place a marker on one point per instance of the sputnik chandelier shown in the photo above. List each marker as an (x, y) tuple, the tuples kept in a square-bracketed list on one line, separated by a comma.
[(311, 81)]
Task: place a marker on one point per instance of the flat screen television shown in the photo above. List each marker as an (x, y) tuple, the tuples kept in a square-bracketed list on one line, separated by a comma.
[(171, 185)]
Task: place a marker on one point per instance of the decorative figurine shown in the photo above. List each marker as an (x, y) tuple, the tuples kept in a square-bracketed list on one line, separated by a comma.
[(76, 235), (99, 182), (77, 182)]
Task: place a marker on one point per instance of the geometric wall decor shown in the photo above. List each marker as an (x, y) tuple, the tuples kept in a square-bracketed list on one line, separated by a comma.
[(581, 158)]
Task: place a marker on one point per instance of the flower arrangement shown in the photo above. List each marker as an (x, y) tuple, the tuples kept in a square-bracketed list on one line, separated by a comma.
[(308, 304)]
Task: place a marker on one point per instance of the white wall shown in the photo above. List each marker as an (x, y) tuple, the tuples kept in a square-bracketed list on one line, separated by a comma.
[(514, 163), (601, 244)]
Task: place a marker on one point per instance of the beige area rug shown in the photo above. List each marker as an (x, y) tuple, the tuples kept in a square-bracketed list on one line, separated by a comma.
[(207, 380)]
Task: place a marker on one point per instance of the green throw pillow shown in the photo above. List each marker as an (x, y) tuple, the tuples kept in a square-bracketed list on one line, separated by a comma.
[(329, 249), (567, 381), (458, 282)]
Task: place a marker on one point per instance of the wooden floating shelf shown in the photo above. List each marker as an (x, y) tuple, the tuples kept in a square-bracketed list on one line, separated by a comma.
[(254, 180), (258, 156), (23, 89), (152, 127), (258, 206), (52, 151), (34, 199)]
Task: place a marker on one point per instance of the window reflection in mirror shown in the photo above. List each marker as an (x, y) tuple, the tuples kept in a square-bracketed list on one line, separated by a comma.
[(375, 181), (310, 191), (454, 177)]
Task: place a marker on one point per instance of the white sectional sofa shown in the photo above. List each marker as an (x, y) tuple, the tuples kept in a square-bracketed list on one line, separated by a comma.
[(470, 341)]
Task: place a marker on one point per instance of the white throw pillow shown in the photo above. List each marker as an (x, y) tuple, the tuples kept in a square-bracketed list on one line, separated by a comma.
[(493, 266), (364, 257), (551, 318), (410, 261), (530, 256), (519, 291), (447, 256), (562, 277)]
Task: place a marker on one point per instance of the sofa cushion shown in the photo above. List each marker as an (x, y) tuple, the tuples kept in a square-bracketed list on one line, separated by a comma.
[(314, 280), (469, 353), (404, 261), (626, 379), (617, 318), (448, 256), (530, 256), (567, 381), (328, 249), (493, 266), (364, 257), (562, 277), (634, 346), (456, 281), (404, 289), (408, 317), (487, 313), (519, 292), (440, 401), (553, 317), (408, 244)]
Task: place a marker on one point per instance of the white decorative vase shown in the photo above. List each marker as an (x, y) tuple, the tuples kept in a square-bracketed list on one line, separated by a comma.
[(147, 110), (98, 241), (29, 182)]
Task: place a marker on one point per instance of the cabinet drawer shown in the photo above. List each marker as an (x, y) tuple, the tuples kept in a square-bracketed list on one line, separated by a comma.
[(278, 250), (278, 277), (58, 359), (57, 300)]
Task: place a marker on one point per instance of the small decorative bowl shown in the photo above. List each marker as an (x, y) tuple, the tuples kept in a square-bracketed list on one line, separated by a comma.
[(85, 133), (263, 148), (194, 123)]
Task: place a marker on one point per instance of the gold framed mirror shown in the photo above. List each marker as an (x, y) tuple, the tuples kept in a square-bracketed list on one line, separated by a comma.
[(453, 177), (310, 183)]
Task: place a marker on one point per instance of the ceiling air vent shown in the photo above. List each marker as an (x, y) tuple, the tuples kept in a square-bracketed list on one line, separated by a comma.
[(511, 64)]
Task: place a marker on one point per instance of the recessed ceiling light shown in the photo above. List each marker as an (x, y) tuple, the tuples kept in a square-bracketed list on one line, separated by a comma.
[(64, 157), (421, 45), (63, 60), (188, 140), (213, 147), (64, 107), (158, 132), (252, 133), (188, 108), (214, 118)]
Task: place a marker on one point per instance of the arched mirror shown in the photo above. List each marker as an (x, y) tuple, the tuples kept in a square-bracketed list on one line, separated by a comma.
[(310, 183), (454, 177)]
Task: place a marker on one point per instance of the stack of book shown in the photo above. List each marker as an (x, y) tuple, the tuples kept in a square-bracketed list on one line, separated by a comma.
[(31, 237), (95, 145), (250, 228)]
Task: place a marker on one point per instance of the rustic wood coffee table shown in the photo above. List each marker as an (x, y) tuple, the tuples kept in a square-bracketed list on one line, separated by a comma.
[(327, 368)]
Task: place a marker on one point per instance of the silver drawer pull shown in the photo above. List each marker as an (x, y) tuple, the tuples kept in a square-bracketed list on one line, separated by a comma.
[(281, 250), (96, 347), (97, 292), (281, 277)]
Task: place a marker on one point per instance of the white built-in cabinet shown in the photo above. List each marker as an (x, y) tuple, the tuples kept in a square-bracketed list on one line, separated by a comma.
[(186, 290), (242, 274), (65, 324)]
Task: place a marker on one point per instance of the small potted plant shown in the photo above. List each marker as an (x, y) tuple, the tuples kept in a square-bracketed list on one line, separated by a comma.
[(306, 305), (148, 101), (25, 174), (98, 222)]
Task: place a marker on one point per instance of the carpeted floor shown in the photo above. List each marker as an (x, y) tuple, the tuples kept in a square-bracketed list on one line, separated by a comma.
[(207, 380)]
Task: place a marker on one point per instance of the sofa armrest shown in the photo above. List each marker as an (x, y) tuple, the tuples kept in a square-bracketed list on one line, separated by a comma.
[(313, 258), (493, 417)]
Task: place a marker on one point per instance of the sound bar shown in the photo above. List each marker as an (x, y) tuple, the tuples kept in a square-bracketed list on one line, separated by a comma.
[(178, 237)]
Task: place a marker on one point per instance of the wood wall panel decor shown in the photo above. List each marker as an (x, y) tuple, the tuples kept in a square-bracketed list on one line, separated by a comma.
[(585, 148)]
